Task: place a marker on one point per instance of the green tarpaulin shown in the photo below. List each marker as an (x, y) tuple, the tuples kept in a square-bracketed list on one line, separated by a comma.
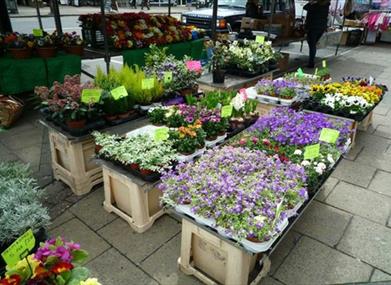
[(22, 75), (179, 50)]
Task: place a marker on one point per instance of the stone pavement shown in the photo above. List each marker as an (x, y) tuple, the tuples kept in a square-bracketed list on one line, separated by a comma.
[(343, 237)]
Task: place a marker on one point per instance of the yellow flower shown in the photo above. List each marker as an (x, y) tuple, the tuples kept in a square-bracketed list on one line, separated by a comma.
[(90, 281), (23, 266)]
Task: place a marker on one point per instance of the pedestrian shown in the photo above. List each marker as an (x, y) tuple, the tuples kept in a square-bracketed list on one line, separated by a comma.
[(133, 4), (315, 25), (145, 3)]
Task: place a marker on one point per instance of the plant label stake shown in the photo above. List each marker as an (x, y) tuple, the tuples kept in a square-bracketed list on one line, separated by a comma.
[(147, 83), (329, 135), (194, 65), (119, 92), (226, 111), (37, 33), (311, 151), (324, 64), (260, 39), (167, 77), (89, 96), (300, 72), (19, 249), (161, 134), (316, 71)]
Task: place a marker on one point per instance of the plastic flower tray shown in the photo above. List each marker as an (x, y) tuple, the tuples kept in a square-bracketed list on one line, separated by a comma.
[(186, 209), (293, 212), (186, 158), (148, 129), (216, 141)]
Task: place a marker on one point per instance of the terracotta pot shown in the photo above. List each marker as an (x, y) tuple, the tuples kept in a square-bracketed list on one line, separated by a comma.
[(97, 148), (46, 52), (77, 50), (146, 172), (111, 118), (253, 239), (76, 124), (134, 166), (20, 53)]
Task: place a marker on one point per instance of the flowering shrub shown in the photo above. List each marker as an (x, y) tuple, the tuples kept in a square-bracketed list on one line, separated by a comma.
[(283, 88), (245, 191), (56, 262)]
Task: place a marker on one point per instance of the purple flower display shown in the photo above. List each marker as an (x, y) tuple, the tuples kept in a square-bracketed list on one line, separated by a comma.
[(56, 247), (244, 190), (278, 87), (288, 127)]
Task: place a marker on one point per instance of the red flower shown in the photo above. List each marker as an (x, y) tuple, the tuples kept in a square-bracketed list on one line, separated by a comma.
[(61, 267), (11, 280)]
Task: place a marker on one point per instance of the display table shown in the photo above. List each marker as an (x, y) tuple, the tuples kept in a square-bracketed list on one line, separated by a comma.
[(179, 50), (72, 156), (22, 75), (232, 82)]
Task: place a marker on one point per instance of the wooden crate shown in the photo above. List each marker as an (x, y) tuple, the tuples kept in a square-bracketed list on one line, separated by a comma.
[(72, 162), (136, 203), (364, 124), (214, 260), (264, 109)]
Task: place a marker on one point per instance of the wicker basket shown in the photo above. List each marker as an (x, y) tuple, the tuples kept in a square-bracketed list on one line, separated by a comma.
[(10, 110)]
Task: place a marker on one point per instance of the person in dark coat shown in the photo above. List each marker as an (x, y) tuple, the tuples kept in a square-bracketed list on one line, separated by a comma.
[(316, 25)]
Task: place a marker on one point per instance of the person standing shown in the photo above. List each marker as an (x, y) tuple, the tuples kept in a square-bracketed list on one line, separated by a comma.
[(316, 25), (145, 3)]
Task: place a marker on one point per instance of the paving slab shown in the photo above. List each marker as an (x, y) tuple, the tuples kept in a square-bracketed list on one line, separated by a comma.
[(354, 172), (369, 242), (23, 139), (30, 155), (112, 268), (383, 131), (381, 110), (380, 276), (381, 183), (270, 281), (90, 210), (380, 160), (372, 144), (324, 223), (56, 192), (328, 186), (77, 231), (6, 154), (312, 262), (137, 246), (58, 208), (61, 219), (355, 151), (162, 265), (360, 201)]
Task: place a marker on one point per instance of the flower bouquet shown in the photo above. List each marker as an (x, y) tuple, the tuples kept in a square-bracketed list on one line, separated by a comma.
[(56, 262), (19, 45), (242, 193), (279, 91)]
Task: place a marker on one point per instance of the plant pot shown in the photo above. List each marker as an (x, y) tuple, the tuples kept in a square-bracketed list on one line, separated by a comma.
[(76, 124), (20, 53), (187, 153), (76, 50), (111, 118), (146, 172), (253, 239), (218, 76), (134, 166), (212, 138), (46, 52), (222, 133)]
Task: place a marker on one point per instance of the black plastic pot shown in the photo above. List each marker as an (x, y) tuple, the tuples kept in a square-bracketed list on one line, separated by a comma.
[(218, 76)]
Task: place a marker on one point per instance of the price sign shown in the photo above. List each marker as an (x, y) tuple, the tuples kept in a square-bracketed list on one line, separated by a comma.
[(324, 64), (89, 96), (194, 65), (329, 135), (119, 92), (37, 33), (167, 77), (260, 39), (300, 72), (147, 83), (161, 134), (19, 249), (226, 111), (311, 151)]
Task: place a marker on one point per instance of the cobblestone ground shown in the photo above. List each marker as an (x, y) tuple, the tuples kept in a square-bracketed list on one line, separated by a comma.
[(344, 236)]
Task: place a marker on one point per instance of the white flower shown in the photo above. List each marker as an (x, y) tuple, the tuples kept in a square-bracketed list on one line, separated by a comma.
[(259, 218), (320, 168), (330, 158), (298, 152), (305, 163), (238, 101)]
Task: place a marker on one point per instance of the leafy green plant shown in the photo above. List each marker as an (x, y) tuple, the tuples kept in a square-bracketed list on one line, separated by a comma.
[(157, 116)]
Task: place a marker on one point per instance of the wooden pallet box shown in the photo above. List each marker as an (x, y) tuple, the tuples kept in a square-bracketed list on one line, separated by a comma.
[(215, 261), (364, 124), (135, 201), (72, 162)]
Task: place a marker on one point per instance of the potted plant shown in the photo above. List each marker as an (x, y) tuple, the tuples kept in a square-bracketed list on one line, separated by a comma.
[(46, 46), (19, 45), (219, 62), (157, 115), (73, 43), (213, 124), (186, 140)]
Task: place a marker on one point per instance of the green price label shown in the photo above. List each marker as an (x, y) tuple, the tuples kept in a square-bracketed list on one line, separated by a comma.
[(226, 111), (19, 249), (89, 96), (324, 64), (37, 33), (329, 135), (311, 151), (316, 71), (119, 92), (300, 72), (161, 134), (260, 39), (167, 77), (147, 83)]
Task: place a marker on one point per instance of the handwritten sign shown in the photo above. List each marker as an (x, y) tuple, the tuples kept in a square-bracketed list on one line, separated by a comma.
[(194, 65), (260, 39), (147, 83), (324, 64), (167, 77), (226, 111), (19, 249), (89, 96), (329, 135), (161, 134), (119, 92), (37, 33), (300, 72), (311, 151)]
